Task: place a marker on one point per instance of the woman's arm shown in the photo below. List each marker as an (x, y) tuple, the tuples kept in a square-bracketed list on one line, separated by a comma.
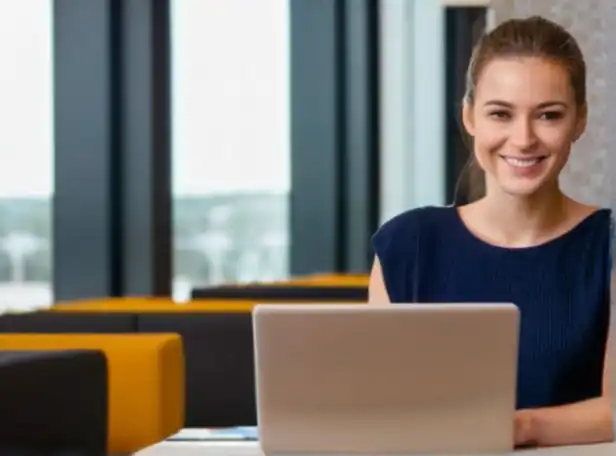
[(377, 293), (583, 422)]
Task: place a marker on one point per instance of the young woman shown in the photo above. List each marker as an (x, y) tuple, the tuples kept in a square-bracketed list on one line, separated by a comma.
[(525, 241)]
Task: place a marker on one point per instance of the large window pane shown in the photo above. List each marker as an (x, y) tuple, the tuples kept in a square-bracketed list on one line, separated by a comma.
[(412, 75), (231, 170), (26, 153)]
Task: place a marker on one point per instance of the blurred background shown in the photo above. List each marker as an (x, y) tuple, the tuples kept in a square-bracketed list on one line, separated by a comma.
[(151, 146)]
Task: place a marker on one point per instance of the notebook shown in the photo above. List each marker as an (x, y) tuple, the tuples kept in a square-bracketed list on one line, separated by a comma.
[(239, 433)]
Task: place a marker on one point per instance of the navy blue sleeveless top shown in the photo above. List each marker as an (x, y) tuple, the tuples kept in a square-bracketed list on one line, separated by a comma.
[(562, 288)]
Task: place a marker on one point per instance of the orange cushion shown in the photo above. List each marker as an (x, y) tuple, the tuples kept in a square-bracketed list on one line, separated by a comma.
[(146, 381), (197, 305), (330, 281), (190, 306), (121, 301)]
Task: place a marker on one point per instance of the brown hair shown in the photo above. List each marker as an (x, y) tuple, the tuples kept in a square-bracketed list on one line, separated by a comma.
[(534, 36)]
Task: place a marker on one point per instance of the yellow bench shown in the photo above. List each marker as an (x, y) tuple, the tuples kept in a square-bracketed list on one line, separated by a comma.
[(329, 281), (318, 280), (126, 300), (146, 381), (191, 306), (197, 305)]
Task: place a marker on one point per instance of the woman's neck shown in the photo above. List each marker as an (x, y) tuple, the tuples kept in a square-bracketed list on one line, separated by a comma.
[(522, 221)]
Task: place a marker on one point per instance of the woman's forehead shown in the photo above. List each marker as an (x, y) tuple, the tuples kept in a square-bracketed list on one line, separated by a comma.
[(525, 81)]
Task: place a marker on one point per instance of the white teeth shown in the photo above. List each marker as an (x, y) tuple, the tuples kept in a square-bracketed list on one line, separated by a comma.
[(522, 163)]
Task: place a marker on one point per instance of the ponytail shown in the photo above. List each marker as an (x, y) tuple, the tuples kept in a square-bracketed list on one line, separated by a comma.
[(471, 184)]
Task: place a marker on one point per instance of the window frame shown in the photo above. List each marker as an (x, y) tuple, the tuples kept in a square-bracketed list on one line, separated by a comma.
[(112, 218)]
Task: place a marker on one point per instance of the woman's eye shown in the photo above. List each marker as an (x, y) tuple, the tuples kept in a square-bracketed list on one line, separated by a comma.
[(551, 115), (500, 115)]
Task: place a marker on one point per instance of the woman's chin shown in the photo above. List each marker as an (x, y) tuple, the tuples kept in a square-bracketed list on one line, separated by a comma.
[(522, 187)]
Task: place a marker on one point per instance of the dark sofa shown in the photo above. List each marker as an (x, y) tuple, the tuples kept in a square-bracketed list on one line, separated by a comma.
[(282, 293), (53, 402)]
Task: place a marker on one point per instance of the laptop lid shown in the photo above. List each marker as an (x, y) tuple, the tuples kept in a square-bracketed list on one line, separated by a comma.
[(404, 378)]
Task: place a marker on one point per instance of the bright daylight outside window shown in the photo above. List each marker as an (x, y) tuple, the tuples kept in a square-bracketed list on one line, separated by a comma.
[(26, 153), (231, 170)]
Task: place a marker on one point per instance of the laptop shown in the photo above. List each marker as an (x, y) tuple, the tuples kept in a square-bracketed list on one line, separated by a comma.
[(395, 379)]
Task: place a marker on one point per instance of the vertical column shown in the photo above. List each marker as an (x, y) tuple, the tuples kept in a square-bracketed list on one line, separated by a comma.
[(112, 202), (316, 139), (335, 129), (361, 162), (86, 214), (146, 205)]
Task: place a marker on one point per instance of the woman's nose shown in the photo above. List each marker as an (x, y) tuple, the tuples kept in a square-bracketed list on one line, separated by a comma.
[(523, 134)]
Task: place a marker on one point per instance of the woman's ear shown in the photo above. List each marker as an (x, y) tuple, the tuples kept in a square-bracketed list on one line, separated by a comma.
[(467, 118), (582, 120)]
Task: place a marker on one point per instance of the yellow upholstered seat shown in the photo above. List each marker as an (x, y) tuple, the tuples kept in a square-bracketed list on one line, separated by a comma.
[(146, 381), (190, 306), (121, 301), (197, 305), (329, 280)]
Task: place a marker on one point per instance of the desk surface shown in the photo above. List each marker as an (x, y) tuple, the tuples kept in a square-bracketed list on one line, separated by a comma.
[(252, 449)]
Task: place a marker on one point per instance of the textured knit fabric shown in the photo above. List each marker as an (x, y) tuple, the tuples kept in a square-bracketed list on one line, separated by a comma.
[(561, 287)]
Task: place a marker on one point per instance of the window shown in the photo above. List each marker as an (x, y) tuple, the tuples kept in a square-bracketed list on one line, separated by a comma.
[(412, 120), (26, 154), (231, 136)]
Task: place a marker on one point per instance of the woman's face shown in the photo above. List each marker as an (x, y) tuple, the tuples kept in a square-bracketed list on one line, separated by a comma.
[(523, 121)]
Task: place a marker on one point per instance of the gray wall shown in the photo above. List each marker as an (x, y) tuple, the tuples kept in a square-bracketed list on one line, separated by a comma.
[(592, 166)]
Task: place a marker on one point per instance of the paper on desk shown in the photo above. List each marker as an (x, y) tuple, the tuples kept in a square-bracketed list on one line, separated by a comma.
[(243, 433)]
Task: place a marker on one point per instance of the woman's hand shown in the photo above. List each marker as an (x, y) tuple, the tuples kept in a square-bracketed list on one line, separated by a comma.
[(523, 428), (580, 423)]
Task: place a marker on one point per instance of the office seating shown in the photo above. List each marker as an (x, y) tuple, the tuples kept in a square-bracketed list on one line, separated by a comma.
[(215, 328), (281, 293), (217, 342), (320, 287), (145, 384), (53, 402), (119, 301), (341, 280), (74, 322), (132, 310), (220, 388)]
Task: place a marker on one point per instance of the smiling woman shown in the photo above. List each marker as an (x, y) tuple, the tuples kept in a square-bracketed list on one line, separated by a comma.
[(530, 106), (524, 241), (523, 121)]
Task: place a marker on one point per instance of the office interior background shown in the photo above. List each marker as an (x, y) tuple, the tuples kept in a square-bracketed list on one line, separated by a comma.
[(151, 146)]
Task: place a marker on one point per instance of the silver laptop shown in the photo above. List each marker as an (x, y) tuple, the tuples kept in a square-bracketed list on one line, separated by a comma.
[(403, 378)]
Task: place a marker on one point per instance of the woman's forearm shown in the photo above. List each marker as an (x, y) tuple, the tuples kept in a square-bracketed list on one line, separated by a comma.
[(583, 422)]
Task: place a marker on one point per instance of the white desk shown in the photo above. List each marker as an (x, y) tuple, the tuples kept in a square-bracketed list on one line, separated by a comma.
[(252, 449)]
